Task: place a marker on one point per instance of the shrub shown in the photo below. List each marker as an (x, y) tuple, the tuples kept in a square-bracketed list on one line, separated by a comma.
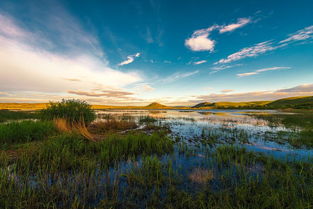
[(72, 110)]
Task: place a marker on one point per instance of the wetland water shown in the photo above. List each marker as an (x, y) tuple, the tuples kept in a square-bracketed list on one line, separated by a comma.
[(168, 159), (220, 127)]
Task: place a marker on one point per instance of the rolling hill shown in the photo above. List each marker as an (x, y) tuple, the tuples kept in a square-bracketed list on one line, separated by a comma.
[(293, 102), (305, 102), (156, 105)]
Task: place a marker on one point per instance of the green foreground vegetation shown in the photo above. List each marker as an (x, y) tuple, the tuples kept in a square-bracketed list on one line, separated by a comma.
[(42, 166)]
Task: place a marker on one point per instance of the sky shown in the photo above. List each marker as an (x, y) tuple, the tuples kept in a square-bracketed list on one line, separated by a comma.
[(134, 52)]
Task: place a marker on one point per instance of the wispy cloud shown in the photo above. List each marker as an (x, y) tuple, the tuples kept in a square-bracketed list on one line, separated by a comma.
[(300, 90), (199, 62), (143, 87), (263, 47), (104, 93), (227, 90), (42, 68), (252, 51), (300, 35), (240, 23), (130, 59), (262, 70), (200, 40), (179, 75), (223, 67)]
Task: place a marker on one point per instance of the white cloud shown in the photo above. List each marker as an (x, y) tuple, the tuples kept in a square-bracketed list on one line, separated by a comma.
[(27, 66), (300, 35), (200, 40), (179, 75), (262, 70), (199, 62), (130, 59), (241, 22), (252, 51)]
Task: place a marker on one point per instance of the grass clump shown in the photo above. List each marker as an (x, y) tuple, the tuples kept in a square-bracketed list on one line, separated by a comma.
[(25, 131), (72, 110)]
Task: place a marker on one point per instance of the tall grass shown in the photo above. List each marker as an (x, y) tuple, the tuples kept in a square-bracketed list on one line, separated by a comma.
[(25, 131)]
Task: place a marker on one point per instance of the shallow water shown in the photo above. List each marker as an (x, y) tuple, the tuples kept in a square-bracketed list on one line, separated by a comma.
[(238, 127)]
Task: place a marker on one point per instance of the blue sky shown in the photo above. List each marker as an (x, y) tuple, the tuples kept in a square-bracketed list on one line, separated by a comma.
[(140, 51)]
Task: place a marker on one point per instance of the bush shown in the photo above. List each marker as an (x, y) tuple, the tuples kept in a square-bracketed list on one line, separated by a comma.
[(72, 110)]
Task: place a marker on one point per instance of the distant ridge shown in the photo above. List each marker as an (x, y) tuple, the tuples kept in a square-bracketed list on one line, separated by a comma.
[(155, 105), (203, 104), (305, 102)]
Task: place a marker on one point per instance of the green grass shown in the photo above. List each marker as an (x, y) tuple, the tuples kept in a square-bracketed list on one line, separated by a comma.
[(293, 102), (6, 115), (67, 171), (25, 131), (301, 123)]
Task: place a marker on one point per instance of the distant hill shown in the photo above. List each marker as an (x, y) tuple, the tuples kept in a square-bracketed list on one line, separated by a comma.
[(305, 102), (229, 105), (156, 105), (293, 102), (203, 104)]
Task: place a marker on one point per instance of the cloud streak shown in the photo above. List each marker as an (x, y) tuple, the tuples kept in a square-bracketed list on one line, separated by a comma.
[(262, 70), (130, 59), (253, 51), (104, 93), (300, 35), (240, 23), (179, 75), (264, 47), (300, 90), (199, 62)]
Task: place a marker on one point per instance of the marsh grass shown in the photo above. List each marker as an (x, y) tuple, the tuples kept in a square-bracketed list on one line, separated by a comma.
[(25, 131), (6, 115), (301, 123), (147, 119), (112, 124)]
